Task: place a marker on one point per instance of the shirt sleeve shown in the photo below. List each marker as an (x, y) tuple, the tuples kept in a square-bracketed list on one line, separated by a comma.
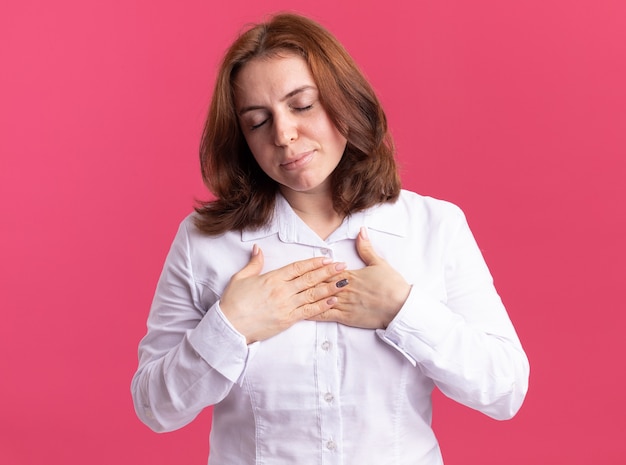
[(467, 345), (190, 357)]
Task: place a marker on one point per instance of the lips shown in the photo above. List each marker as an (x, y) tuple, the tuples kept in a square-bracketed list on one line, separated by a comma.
[(298, 161)]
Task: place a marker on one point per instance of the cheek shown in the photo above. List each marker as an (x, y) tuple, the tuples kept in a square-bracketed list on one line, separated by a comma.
[(339, 141), (335, 137)]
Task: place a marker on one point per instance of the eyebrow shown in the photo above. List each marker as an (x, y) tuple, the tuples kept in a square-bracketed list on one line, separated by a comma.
[(288, 96)]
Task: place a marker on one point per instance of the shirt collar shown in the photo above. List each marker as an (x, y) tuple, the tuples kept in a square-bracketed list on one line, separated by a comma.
[(386, 218)]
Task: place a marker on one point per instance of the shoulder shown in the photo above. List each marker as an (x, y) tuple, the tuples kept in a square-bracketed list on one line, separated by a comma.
[(428, 203), (211, 259), (416, 216), (188, 231), (413, 206)]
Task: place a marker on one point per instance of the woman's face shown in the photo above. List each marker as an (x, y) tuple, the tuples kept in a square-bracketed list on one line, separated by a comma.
[(288, 131)]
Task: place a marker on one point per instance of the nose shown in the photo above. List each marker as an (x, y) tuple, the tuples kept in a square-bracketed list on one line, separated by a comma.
[(285, 130)]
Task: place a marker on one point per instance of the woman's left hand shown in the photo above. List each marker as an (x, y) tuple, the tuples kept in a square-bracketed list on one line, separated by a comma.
[(374, 294)]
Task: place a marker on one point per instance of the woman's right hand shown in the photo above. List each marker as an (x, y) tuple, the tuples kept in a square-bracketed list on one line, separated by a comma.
[(260, 306)]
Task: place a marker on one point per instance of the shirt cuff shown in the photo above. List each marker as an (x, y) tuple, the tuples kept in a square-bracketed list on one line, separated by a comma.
[(420, 326), (221, 345)]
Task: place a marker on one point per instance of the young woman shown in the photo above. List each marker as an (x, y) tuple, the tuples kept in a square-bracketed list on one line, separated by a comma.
[(314, 304)]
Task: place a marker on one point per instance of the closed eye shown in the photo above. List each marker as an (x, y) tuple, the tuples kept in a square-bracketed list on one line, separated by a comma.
[(257, 126), (301, 109), (296, 109)]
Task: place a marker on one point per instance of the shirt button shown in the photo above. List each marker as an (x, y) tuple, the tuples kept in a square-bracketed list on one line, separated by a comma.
[(330, 445), (325, 252), (326, 346), (328, 397)]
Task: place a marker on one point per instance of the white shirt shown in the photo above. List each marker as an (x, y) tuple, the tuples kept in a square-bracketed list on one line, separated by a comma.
[(324, 393)]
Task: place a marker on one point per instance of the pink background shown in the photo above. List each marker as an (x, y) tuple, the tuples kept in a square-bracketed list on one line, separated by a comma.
[(516, 111)]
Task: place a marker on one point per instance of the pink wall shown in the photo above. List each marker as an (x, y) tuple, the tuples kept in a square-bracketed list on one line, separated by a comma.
[(514, 110)]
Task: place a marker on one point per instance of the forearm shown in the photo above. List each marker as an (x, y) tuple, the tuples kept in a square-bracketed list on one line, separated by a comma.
[(175, 382), (480, 364)]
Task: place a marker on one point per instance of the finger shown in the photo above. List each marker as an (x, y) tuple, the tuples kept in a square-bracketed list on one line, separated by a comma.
[(296, 269), (315, 277), (254, 265), (320, 295), (364, 247), (345, 274), (313, 310), (332, 314)]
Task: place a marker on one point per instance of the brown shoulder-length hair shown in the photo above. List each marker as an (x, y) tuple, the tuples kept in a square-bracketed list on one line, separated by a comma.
[(367, 173)]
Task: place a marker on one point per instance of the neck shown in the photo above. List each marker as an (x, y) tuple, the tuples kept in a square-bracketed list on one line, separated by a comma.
[(315, 209)]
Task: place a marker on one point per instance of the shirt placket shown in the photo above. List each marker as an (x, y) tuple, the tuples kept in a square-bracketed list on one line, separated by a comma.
[(327, 369)]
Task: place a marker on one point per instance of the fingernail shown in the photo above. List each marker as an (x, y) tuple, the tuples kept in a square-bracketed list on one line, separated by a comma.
[(364, 234), (340, 266), (327, 261), (255, 249), (342, 283), (332, 301)]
